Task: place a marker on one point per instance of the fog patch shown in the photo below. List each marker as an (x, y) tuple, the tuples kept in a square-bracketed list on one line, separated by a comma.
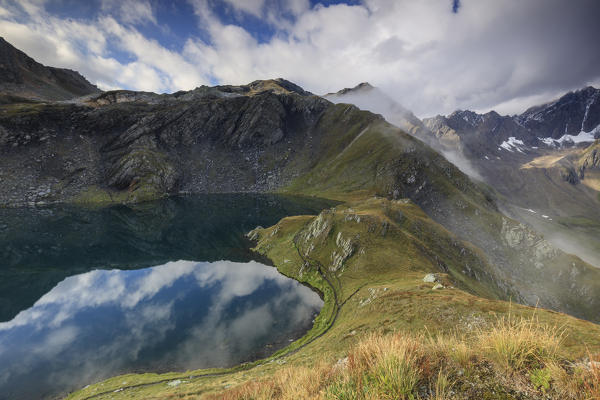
[(584, 244), (369, 98), (571, 245), (460, 161)]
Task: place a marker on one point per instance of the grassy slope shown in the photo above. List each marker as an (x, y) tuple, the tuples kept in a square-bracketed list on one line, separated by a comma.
[(386, 248), (361, 160)]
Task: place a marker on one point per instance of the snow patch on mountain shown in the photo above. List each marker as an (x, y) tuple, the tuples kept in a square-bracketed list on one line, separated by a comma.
[(513, 144), (582, 137), (588, 104)]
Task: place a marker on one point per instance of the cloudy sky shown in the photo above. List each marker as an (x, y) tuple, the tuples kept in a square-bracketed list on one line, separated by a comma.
[(432, 56)]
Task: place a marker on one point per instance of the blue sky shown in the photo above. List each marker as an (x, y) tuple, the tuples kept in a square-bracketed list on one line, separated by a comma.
[(433, 56)]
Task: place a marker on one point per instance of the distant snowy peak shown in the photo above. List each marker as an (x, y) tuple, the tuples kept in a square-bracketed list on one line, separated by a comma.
[(571, 120), (572, 114)]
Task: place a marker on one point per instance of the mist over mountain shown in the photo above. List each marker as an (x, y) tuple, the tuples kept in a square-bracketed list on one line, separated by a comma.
[(370, 98), (543, 162)]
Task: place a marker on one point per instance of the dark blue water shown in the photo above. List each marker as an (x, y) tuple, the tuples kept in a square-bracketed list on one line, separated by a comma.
[(89, 294)]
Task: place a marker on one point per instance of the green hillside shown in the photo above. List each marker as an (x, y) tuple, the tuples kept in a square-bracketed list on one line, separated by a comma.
[(406, 213)]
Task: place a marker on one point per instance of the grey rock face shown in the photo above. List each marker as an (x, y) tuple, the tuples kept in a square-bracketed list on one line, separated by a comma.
[(159, 143), (572, 113)]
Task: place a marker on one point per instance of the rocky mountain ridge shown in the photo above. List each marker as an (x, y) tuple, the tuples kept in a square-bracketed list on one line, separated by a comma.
[(140, 143), (573, 118)]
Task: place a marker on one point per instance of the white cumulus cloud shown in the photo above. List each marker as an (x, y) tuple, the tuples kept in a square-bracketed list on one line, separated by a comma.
[(506, 55)]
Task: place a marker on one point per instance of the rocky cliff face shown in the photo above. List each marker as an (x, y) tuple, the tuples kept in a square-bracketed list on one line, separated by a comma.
[(22, 76), (573, 113), (142, 145)]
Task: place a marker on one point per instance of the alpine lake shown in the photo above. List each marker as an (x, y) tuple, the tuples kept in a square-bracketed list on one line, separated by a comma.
[(169, 285)]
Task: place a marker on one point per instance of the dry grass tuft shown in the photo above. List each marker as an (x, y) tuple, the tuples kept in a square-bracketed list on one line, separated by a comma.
[(521, 343), (288, 383), (591, 378), (387, 367)]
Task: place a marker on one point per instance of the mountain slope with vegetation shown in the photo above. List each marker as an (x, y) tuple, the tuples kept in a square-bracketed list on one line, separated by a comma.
[(538, 161)]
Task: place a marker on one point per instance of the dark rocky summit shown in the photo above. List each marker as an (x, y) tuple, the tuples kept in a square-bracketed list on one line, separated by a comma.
[(22, 76), (573, 113)]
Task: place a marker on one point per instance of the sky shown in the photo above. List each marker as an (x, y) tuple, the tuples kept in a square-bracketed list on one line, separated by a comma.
[(432, 56)]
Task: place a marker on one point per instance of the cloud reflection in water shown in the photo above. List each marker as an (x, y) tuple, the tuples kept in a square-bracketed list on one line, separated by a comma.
[(178, 316)]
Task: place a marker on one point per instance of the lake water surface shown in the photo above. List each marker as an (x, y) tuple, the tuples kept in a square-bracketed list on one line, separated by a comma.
[(162, 286)]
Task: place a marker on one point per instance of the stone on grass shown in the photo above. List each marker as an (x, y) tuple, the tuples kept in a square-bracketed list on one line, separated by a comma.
[(430, 278)]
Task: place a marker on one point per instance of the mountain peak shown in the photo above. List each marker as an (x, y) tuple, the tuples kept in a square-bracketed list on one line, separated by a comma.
[(575, 112), (278, 85), (589, 90), (360, 88), (364, 85), (22, 76)]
